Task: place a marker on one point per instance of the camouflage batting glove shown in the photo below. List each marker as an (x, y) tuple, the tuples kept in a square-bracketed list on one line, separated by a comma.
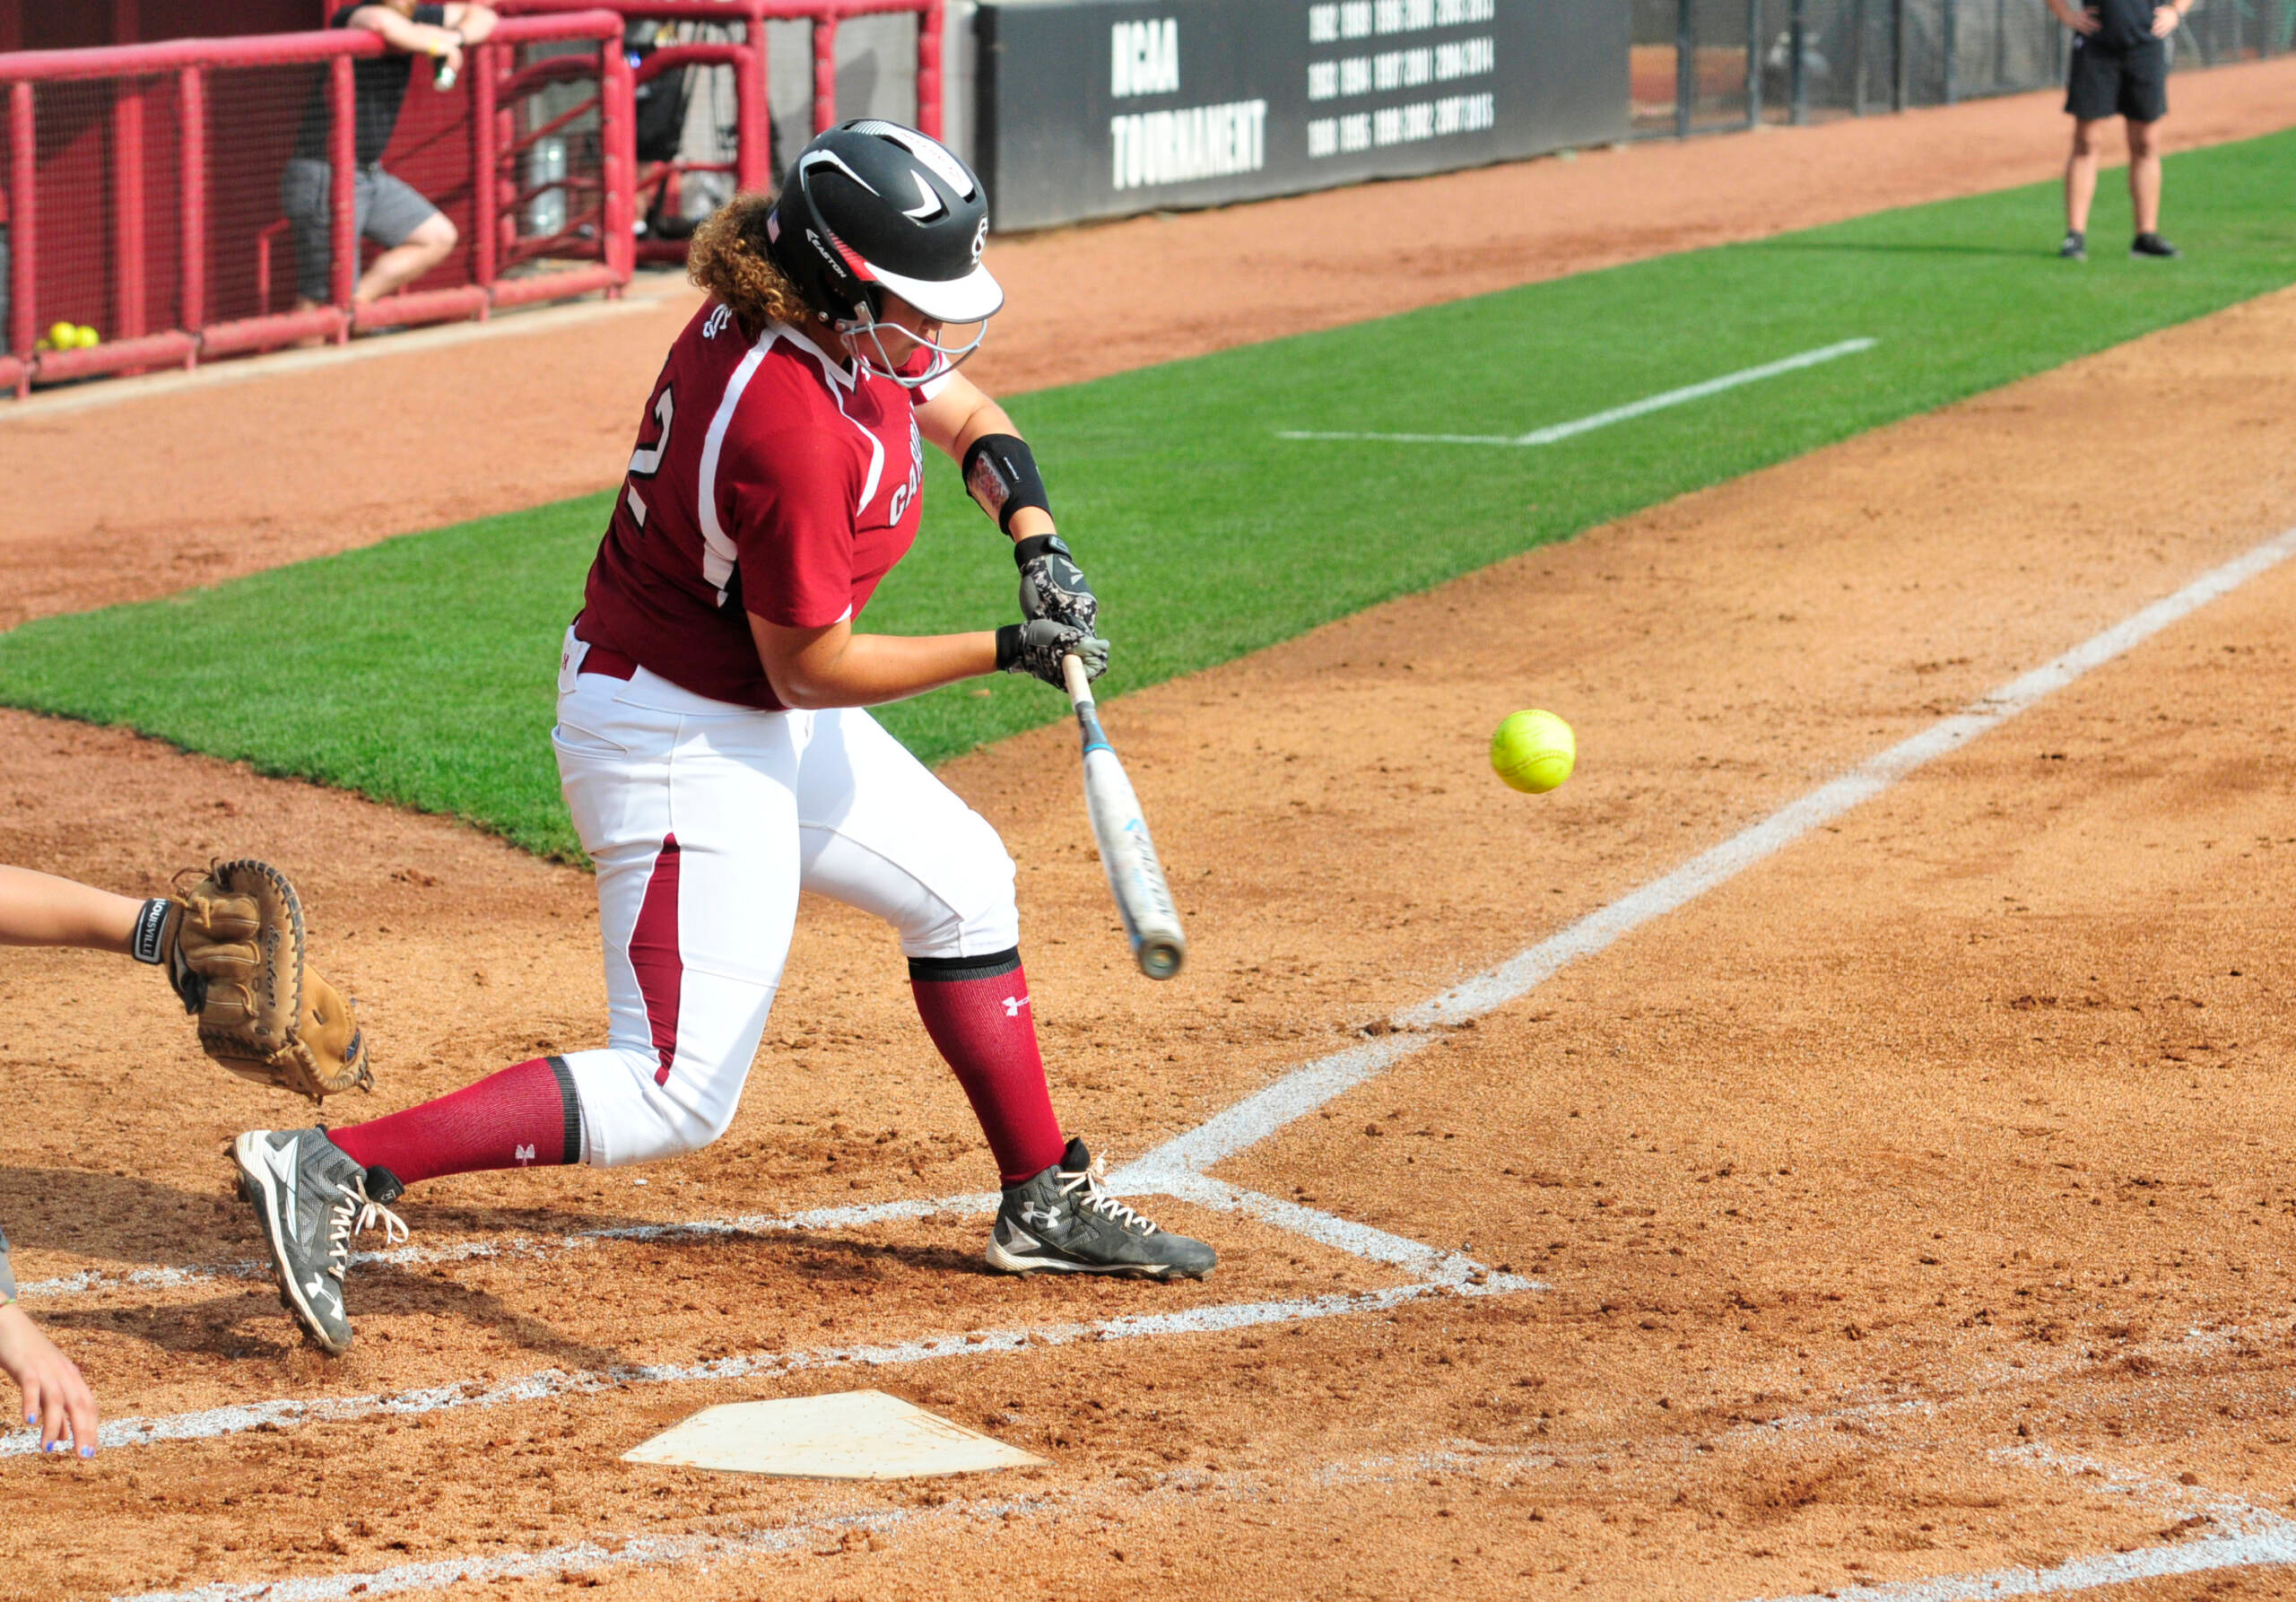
[(1037, 647), (1052, 586)]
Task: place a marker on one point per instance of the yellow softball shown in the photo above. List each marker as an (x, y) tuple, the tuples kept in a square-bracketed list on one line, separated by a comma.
[(1533, 750), (84, 338)]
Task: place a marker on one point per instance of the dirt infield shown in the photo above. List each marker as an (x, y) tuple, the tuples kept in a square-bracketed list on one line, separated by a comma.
[(194, 484), (1915, 1204)]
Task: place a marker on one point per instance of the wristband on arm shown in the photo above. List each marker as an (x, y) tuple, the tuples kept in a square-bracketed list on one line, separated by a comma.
[(148, 943), (1001, 474), (1026, 551)]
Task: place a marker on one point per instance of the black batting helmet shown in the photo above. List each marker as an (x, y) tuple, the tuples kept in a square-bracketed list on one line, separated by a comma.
[(872, 204)]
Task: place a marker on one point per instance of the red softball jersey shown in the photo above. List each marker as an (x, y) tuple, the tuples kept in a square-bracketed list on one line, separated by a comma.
[(768, 478)]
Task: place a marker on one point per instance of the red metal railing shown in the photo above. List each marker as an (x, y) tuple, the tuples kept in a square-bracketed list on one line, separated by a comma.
[(182, 69), (752, 139)]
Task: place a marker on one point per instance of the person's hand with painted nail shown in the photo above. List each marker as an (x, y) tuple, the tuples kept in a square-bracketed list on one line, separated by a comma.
[(56, 1398)]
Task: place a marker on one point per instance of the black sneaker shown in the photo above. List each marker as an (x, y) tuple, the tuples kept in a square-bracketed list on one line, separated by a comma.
[(1061, 1220), (2075, 246), (2154, 246), (310, 1198)]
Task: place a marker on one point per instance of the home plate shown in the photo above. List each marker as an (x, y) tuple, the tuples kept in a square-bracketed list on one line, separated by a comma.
[(852, 1435)]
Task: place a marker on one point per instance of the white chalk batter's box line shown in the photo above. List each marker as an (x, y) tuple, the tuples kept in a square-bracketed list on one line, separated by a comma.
[(1447, 1274), (1178, 1167), (1358, 1240), (2247, 1535), (1431, 1272)]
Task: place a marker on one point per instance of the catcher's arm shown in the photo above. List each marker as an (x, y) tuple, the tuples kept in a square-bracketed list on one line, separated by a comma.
[(42, 909), (277, 1021)]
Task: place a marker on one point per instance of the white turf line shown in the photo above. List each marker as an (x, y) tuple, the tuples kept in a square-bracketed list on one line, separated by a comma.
[(1306, 1089), (1648, 404), (748, 1223), (2251, 1528), (1360, 1239), (214, 1422), (2246, 1551), (1435, 1271), (2253, 1537)]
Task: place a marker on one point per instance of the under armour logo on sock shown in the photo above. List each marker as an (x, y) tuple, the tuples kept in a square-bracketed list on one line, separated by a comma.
[(1013, 1003), (524, 1153)]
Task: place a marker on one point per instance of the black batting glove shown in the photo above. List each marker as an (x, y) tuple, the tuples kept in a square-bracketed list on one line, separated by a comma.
[(1036, 647), (1052, 584)]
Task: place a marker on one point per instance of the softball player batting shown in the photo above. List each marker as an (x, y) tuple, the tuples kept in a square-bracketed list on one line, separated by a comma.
[(712, 744)]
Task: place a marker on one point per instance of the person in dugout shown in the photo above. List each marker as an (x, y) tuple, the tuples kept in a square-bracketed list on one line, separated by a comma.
[(415, 237)]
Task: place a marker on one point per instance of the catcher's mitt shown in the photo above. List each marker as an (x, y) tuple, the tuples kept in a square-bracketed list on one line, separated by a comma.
[(232, 946)]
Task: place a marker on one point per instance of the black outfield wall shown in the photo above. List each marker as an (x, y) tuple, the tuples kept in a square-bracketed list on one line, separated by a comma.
[(1102, 108)]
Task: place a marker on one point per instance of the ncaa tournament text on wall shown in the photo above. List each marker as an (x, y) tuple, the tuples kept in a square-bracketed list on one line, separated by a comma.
[(1099, 108)]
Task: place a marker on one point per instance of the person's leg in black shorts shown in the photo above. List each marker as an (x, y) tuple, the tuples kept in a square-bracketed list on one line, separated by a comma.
[(2092, 98), (2102, 84)]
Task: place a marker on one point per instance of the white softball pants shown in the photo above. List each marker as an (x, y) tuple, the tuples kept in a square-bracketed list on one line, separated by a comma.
[(705, 821)]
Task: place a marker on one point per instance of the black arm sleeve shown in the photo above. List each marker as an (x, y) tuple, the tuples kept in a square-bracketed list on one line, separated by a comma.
[(1001, 474)]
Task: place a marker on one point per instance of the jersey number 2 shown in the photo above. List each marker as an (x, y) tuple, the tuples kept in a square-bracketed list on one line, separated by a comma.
[(646, 460)]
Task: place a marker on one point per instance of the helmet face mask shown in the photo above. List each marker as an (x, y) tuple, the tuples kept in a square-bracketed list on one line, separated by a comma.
[(871, 208), (866, 340)]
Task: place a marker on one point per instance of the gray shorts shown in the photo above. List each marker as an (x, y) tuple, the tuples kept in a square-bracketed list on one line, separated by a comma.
[(386, 208)]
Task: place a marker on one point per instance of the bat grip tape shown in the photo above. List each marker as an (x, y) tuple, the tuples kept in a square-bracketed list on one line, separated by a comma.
[(1088, 719)]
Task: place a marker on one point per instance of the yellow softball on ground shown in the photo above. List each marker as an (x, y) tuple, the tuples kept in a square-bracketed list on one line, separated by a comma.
[(1533, 750), (63, 336), (85, 337)]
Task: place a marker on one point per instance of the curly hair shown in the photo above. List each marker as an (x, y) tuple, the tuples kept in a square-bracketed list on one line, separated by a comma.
[(728, 259)]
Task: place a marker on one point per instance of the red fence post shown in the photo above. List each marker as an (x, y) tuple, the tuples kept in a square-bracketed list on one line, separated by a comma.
[(753, 126), (342, 159), (191, 160), (618, 158), (824, 72), (929, 24), (128, 299), (486, 197), (506, 178), (24, 230)]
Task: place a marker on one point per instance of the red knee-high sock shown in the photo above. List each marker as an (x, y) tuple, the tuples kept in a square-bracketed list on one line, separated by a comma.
[(523, 1117), (977, 1011)]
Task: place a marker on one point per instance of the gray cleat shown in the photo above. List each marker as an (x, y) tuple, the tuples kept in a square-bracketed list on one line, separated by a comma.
[(2074, 249), (310, 1198), (1063, 1222)]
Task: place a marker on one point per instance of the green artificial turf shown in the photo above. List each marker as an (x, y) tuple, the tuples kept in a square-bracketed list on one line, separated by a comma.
[(420, 670)]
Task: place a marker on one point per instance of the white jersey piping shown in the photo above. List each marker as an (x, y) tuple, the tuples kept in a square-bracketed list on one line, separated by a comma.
[(719, 551)]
